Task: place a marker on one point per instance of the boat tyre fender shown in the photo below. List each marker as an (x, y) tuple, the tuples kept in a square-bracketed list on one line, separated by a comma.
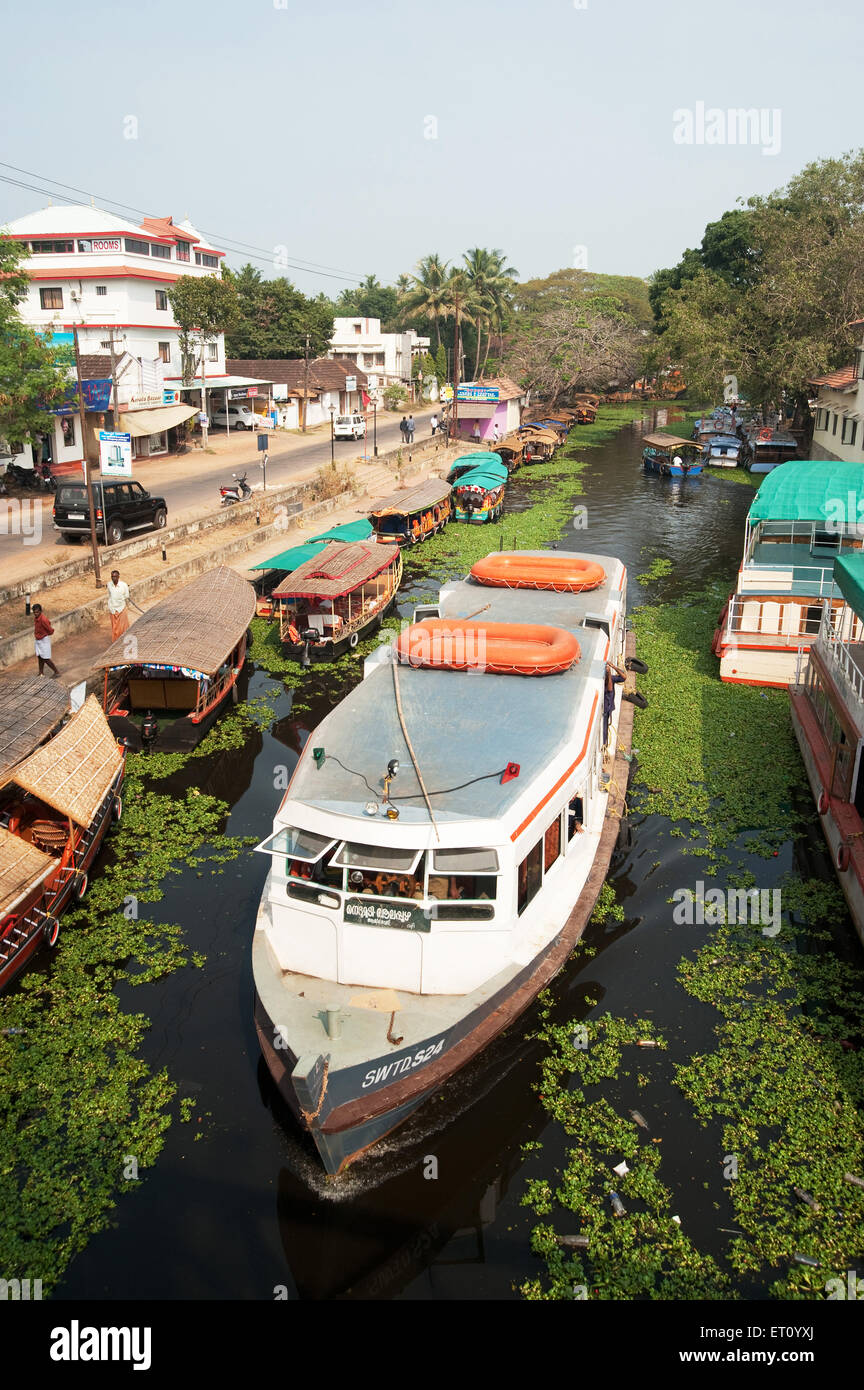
[(80, 888), (843, 858), (353, 640), (117, 808), (822, 802), (625, 835), (50, 930), (636, 698), (634, 664)]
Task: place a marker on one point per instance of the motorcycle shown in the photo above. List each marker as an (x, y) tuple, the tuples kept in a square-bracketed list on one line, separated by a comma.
[(43, 478), (236, 493)]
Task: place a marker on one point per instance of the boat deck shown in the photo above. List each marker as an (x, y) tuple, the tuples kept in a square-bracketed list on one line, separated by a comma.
[(805, 572)]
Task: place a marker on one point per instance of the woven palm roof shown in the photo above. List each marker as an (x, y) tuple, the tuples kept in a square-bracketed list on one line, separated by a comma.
[(22, 865), (340, 569), (513, 443), (196, 627), (668, 441), (31, 707), (73, 772), (529, 432), (412, 499)]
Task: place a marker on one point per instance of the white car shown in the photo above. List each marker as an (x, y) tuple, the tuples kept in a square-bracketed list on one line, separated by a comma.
[(349, 427), (241, 417)]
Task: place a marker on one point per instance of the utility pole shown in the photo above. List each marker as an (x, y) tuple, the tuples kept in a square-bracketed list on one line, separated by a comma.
[(114, 408), (87, 479), (204, 395), (305, 382), (457, 354)]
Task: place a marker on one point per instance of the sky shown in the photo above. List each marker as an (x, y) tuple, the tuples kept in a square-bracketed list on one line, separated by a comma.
[(353, 139)]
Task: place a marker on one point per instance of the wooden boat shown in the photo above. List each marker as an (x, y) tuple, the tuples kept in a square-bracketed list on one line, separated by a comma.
[(509, 649), (478, 495), (339, 596), (274, 570), (179, 663), (417, 903), (558, 573), (538, 445), (466, 462), (31, 710), (511, 451), (670, 456), (55, 809), (411, 516), (765, 449)]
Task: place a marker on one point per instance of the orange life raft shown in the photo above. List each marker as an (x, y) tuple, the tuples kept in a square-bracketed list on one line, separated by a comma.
[(564, 574), (506, 649)]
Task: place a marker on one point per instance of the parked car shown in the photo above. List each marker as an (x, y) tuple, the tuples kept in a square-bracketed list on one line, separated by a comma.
[(241, 417), (349, 427), (120, 506)]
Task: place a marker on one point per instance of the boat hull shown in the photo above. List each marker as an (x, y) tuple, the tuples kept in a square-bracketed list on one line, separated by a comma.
[(331, 651)]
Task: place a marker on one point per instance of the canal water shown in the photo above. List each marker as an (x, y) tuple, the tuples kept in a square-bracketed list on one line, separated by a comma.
[(236, 1206)]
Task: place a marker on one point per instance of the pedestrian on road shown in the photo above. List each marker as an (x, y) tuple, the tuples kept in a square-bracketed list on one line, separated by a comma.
[(118, 597), (434, 423), (43, 632), (410, 429), (496, 433), (403, 427)]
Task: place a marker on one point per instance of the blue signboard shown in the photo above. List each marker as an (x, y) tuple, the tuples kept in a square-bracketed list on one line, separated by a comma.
[(477, 393), (97, 396)]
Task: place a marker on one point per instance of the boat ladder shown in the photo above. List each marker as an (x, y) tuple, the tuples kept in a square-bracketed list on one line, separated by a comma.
[(19, 935)]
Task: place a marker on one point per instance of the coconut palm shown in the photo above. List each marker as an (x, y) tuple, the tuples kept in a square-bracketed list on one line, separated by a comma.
[(462, 302), (491, 280), (426, 296)]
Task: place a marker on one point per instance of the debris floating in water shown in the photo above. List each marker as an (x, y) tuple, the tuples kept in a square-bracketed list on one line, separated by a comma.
[(617, 1205), (807, 1198), (573, 1242), (806, 1260), (639, 1118), (621, 1168)]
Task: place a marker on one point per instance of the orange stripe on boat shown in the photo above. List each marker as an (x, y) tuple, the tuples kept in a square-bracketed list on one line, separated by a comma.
[(506, 649), (561, 780), (564, 574)]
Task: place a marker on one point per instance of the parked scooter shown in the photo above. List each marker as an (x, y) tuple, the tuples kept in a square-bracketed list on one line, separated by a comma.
[(236, 493), (44, 478)]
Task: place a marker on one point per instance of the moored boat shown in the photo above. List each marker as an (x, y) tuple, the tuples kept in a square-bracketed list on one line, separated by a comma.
[(764, 449), (274, 569), (55, 809), (429, 877), (670, 456), (411, 516), (478, 492), (336, 598), (722, 451), (179, 663), (538, 445)]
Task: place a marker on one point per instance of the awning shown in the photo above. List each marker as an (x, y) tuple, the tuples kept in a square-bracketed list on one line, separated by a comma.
[(849, 578), (219, 383), (141, 422), (291, 559), (805, 490), (22, 867)]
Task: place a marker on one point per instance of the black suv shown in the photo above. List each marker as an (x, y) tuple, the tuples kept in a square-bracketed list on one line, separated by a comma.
[(121, 506)]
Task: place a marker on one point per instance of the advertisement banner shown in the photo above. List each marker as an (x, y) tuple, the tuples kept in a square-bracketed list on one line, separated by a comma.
[(115, 454), (477, 393)]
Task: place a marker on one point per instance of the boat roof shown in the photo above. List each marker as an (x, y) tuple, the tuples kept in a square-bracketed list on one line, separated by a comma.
[(73, 772), (668, 441), (805, 490), (339, 570), (849, 578), (347, 531), (30, 709), (22, 867), (196, 627), (463, 725), (293, 558), (486, 475), (412, 499), (536, 432)]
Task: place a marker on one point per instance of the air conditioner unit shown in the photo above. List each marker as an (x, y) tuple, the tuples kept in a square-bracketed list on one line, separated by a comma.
[(75, 296)]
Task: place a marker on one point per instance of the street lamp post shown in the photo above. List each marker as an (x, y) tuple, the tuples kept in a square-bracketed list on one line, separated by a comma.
[(375, 429), (332, 439)]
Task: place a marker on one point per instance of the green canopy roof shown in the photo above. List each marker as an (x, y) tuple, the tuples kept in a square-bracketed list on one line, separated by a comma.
[(291, 559), (348, 531), (849, 578), (807, 490), (469, 464), (485, 476)]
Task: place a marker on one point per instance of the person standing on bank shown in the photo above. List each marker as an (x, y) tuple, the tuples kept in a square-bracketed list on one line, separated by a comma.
[(434, 423), (43, 632), (118, 597), (409, 428), (403, 429)]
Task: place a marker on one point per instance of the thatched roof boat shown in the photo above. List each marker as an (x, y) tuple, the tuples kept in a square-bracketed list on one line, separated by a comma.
[(31, 708), (73, 772)]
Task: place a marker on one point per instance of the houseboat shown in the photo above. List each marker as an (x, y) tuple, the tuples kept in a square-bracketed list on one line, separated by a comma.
[(55, 809), (478, 494), (722, 451), (274, 570), (31, 710), (429, 877), (511, 451), (466, 462), (179, 663), (538, 445), (330, 602), (827, 699), (803, 516), (412, 515), (764, 449), (671, 457)]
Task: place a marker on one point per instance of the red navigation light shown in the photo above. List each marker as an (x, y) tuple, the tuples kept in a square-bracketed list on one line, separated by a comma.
[(510, 772)]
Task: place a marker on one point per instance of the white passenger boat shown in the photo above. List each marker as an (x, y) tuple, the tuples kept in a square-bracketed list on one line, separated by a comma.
[(442, 843)]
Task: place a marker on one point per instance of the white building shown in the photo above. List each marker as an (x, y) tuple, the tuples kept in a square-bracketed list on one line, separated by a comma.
[(110, 278), (838, 412), (386, 358)]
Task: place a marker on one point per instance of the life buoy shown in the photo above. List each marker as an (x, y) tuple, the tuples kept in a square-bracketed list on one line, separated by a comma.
[(559, 573), (117, 808), (353, 640), (765, 434), (80, 887), (523, 649), (822, 802), (843, 858), (50, 931)]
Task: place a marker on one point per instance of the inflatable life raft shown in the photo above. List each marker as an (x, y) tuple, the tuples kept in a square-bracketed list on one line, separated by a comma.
[(563, 574), (505, 649)]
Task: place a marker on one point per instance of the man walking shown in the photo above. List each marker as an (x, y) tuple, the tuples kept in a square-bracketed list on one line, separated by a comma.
[(43, 632), (118, 598), (475, 433), (403, 429), (409, 426)]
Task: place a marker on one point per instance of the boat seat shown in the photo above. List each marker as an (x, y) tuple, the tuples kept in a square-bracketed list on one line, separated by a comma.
[(48, 835)]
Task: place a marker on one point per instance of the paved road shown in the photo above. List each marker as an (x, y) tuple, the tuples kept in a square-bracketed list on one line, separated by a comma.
[(190, 485)]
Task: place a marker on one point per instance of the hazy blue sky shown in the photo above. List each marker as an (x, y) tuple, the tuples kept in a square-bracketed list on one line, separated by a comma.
[(305, 126)]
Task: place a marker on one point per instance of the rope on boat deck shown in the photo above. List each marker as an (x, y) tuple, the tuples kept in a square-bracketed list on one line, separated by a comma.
[(410, 748)]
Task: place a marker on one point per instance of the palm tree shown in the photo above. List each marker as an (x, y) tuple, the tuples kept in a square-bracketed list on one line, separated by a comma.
[(426, 297), (492, 281), (460, 301)]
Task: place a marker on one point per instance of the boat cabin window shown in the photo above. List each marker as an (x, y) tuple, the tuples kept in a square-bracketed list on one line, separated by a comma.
[(376, 858), (529, 876), (388, 883), (463, 875), (552, 844), (466, 861), (301, 845), (575, 817)]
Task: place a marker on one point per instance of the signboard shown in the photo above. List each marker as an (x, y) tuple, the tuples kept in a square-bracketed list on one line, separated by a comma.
[(115, 454), (203, 418), (263, 441), (100, 244), (97, 397), (251, 390), (372, 382), (280, 392), (170, 397), (369, 913), (477, 393), (350, 383), (446, 393), (239, 393), (144, 400)]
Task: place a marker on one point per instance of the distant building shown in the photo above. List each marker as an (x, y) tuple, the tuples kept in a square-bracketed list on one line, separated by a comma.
[(839, 411), (326, 386), (489, 409), (386, 358)]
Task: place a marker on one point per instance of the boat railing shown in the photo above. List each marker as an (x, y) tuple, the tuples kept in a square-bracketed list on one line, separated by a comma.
[(841, 630), (792, 621)]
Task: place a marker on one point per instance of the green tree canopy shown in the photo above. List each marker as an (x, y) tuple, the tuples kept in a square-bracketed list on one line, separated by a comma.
[(32, 374), (273, 319)]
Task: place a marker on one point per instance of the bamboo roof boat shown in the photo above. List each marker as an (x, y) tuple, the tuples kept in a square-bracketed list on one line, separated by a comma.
[(335, 598), (510, 449), (411, 515), (274, 569), (55, 810), (31, 708), (181, 658), (661, 451)]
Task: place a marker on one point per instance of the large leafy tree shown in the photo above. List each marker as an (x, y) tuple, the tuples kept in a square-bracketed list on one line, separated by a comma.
[(491, 281), (570, 285), (425, 300), (576, 344), (33, 375), (273, 319), (204, 306)]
